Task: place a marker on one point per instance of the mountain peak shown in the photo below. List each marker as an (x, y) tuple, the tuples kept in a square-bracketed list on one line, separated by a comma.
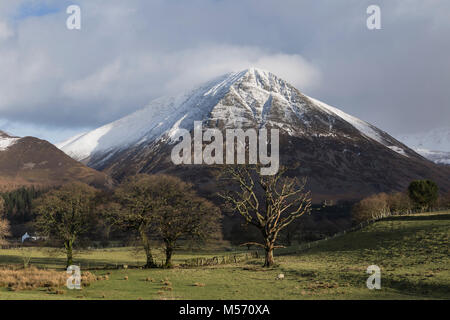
[(258, 71), (262, 78), (250, 77)]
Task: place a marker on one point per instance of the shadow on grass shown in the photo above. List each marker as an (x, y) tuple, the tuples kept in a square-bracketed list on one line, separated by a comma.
[(419, 218), (357, 279), (427, 290)]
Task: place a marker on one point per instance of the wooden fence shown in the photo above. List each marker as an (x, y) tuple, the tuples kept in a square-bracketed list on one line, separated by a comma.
[(225, 259)]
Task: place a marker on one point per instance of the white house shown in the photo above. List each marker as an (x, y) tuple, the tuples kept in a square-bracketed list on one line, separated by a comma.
[(27, 236)]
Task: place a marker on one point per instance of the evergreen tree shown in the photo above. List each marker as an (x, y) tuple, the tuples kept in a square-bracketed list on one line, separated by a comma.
[(423, 193)]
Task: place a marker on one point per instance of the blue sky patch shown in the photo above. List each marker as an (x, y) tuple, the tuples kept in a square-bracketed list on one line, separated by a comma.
[(39, 9)]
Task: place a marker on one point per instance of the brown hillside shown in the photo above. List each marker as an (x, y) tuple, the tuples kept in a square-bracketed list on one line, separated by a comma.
[(34, 162)]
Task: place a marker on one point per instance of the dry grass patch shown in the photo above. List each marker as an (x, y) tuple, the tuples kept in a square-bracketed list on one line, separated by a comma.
[(33, 278)]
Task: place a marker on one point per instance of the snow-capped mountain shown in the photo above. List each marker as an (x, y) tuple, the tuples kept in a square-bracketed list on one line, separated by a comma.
[(244, 99), (433, 145), (338, 152)]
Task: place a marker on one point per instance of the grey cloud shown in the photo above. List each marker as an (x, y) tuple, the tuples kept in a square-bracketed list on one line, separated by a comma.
[(128, 53)]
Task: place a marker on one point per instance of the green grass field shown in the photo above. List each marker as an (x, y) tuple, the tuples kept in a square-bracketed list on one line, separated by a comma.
[(412, 252)]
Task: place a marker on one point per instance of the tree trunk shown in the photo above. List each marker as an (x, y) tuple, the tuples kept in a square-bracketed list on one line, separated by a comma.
[(69, 252), (269, 243), (169, 252), (148, 252), (268, 262)]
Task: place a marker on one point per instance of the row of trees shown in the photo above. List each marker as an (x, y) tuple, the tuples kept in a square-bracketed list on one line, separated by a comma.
[(18, 208), (154, 207), (166, 208), (381, 205), (421, 196), (18, 204)]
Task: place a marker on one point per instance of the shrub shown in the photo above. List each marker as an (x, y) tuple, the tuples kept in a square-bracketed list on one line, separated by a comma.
[(400, 203), (373, 207)]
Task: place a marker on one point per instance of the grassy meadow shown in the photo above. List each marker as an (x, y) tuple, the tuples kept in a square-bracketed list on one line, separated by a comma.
[(412, 252)]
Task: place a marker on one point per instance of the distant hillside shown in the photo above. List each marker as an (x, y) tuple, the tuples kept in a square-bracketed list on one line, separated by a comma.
[(33, 162)]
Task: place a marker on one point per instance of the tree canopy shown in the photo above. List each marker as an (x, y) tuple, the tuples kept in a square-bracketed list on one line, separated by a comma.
[(423, 193), (66, 214), (162, 207)]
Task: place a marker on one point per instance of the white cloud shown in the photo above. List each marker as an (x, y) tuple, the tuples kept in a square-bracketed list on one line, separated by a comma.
[(203, 63), (99, 83)]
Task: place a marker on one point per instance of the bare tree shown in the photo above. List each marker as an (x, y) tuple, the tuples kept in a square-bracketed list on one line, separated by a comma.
[(270, 203), (66, 213), (400, 203)]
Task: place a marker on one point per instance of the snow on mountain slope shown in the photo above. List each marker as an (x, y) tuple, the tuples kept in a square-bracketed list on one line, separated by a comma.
[(70, 140), (6, 140), (433, 145), (251, 98), (148, 123), (364, 127)]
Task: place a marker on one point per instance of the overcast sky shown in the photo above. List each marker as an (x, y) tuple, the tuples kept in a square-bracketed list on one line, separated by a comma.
[(56, 82)]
